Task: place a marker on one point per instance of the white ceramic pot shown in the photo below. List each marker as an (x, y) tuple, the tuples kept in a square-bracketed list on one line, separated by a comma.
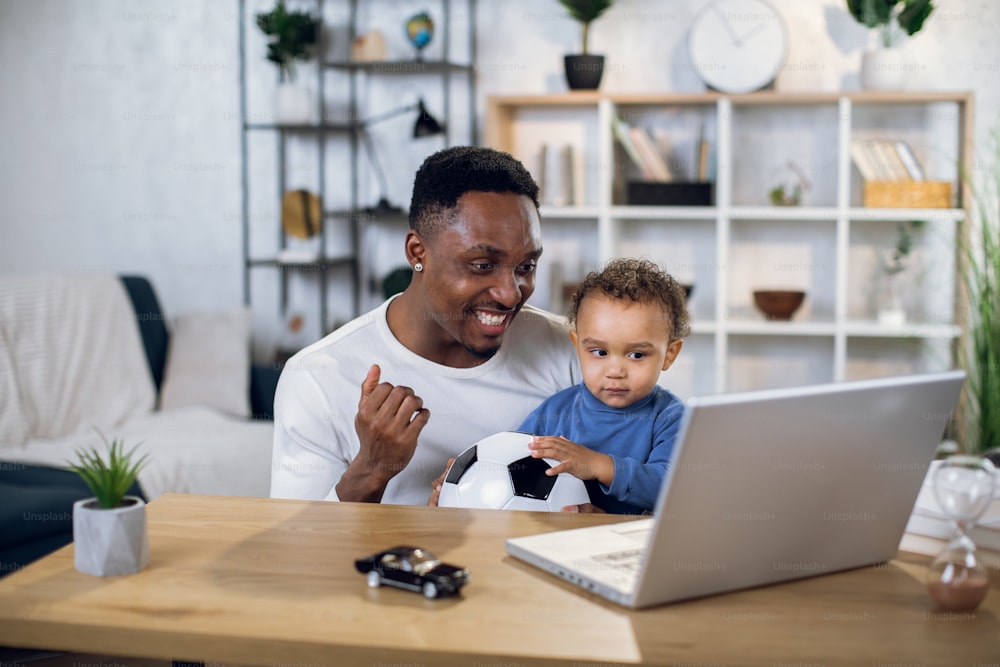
[(882, 69), (293, 105), (108, 542)]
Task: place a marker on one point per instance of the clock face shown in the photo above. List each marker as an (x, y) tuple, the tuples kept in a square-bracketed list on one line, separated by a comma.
[(737, 46)]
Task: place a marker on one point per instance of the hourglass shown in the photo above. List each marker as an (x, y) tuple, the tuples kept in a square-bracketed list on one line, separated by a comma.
[(963, 485)]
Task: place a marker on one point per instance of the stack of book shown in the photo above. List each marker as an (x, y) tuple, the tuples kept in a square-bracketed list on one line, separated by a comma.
[(929, 529), (885, 160), (894, 178), (659, 186)]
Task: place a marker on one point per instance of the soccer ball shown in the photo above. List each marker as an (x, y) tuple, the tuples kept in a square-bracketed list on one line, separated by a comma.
[(498, 472)]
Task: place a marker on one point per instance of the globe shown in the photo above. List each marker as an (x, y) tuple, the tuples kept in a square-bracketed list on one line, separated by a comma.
[(420, 30)]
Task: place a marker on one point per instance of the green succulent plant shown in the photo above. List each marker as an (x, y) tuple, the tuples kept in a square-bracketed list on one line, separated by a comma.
[(294, 35), (586, 12), (891, 18), (108, 478)]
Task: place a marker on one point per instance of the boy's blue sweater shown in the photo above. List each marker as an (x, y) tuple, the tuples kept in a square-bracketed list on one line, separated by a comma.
[(639, 439)]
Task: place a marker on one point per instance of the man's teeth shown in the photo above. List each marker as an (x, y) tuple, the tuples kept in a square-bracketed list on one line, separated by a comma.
[(491, 320)]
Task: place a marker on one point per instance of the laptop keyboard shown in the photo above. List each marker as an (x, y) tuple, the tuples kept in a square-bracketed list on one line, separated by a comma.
[(627, 561)]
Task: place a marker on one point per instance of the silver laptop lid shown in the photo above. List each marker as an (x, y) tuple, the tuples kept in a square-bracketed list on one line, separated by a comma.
[(774, 485)]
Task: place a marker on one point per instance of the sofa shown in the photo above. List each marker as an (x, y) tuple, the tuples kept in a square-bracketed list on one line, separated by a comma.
[(90, 358)]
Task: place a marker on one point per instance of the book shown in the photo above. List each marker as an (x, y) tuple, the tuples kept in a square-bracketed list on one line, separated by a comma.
[(540, 169), (702, 159), (621, 132), (891, 165), (909, 161), (862, 157), (655, 166)]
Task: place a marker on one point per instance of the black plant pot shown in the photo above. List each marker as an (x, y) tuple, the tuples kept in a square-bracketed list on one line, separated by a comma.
[(584, 72)]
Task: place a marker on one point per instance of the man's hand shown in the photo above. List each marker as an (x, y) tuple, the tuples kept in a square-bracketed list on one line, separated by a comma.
[(575, 459), (436, 485), (584, 508), (388, 422)]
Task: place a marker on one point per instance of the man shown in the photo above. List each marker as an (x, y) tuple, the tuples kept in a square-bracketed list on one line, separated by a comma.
[(456, 357)]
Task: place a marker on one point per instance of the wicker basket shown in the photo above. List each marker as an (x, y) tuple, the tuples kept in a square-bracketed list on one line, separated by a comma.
[(907, 194)]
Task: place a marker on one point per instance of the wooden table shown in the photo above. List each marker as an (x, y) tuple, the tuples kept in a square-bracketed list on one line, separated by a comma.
[(272, 582)]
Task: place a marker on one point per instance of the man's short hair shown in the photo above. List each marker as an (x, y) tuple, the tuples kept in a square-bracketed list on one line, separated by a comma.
[(448, 174), (637, 281)]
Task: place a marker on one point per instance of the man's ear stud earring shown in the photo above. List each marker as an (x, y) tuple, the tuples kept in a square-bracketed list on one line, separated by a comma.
[(418, 267)]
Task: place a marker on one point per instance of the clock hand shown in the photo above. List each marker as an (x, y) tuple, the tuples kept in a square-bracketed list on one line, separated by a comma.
[(742, 39), (729, 27)]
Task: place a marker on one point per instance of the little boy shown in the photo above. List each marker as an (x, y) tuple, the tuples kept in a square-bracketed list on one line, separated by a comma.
[(616, 429)]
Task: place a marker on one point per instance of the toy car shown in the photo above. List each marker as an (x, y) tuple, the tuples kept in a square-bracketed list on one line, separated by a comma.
[(413, 568)]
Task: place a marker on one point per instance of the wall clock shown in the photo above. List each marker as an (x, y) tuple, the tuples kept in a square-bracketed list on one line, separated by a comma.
[(737, 46)]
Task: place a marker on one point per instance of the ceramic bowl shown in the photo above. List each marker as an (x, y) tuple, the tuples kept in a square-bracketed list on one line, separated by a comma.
[(778, 304)]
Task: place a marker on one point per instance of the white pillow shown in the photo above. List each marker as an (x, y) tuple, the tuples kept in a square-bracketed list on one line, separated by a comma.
[(208, 362), (14, 426)]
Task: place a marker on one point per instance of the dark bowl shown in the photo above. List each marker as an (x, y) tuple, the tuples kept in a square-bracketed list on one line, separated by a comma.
[(778, 304)]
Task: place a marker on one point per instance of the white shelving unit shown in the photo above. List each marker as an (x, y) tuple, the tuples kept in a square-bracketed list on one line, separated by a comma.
[(829, 246)]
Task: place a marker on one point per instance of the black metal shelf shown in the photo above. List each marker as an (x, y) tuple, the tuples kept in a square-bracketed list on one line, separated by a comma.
[(352, 219), (399, 66)]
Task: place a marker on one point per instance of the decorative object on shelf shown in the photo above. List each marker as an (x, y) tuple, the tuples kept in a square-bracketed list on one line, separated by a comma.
[(368, 48), (791, 188), (584, 70), (688, 290), (109, 530), (420, 32), (293, 37), (979, 351), (964, 487), (883, 68), (301, 214), (737, 46), (425, 125), (778, 304), (891, 310), (652, 193)]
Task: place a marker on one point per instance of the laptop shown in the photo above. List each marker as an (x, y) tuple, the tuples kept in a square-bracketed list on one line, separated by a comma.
[(766, 487)]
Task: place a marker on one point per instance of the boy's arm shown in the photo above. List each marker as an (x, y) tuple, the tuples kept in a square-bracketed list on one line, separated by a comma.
[(638, 482)]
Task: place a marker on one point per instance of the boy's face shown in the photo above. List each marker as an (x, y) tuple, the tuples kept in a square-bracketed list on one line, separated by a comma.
[(622, 346)]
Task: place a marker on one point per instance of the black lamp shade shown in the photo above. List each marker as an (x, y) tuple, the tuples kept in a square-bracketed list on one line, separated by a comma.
[(426, 125)]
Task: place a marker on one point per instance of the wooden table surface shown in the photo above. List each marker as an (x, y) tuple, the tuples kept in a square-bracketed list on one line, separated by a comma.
[(272, 582)]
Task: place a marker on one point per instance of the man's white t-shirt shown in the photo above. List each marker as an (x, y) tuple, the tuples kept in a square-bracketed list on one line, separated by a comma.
[(317, 400)]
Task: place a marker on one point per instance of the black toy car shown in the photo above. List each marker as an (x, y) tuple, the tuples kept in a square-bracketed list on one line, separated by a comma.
[(413, 568)]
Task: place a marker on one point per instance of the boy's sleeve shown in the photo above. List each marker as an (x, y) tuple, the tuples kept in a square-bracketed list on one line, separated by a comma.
[(534, 422), (638, 482)]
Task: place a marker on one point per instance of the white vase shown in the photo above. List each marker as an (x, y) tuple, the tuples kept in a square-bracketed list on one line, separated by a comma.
[(108, 542), (882, 69), (891, 311), (293, 105)]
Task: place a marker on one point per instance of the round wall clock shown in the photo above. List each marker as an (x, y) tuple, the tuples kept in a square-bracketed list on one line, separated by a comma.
[(737, 46)]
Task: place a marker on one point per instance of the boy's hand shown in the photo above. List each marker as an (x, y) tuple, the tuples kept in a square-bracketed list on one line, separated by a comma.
[(577, 460), (436, 485)]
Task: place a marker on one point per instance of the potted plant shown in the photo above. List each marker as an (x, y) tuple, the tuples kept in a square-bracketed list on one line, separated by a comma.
[(980, 349), (891, 311), (109, 530), (583, 70), (293, 37), (881, 69)]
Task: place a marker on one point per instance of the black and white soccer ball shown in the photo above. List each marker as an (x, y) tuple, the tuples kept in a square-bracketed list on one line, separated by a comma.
[(498, 472)]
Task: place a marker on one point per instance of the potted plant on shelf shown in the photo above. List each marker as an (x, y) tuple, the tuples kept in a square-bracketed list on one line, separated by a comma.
[(979, 351), (583, 70), (293, 36), (891, 311), (109, 530), (882, 67)]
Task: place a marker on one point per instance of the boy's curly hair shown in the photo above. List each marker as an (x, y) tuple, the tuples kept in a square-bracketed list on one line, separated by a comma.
[(638, 281)]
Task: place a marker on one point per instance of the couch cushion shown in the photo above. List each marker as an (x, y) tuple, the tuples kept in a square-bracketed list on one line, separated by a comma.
[(152, 323), (14, 426), (76, 351), (208, 362)]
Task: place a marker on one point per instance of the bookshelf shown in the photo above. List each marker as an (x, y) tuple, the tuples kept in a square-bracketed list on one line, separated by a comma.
[(831, 245)]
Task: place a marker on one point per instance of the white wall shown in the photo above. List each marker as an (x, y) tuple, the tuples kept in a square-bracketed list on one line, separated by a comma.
[(119, 121)]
